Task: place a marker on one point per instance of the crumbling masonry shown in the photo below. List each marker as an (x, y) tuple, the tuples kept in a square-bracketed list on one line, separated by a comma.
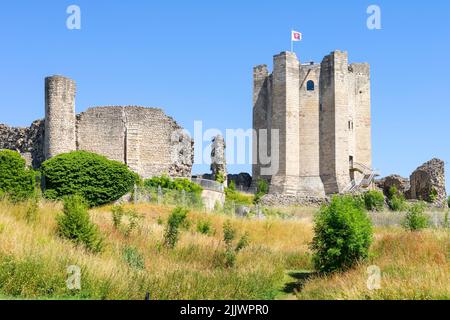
[(145, 139)]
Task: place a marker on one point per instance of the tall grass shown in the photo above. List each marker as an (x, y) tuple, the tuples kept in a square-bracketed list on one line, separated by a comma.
[(34, 261), (413, 266)]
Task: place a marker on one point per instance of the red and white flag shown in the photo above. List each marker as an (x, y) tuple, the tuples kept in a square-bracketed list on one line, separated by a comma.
[(296, 36)]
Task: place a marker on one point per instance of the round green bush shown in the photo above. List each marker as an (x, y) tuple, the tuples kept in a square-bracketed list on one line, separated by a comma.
[(343, 235), (99, 180), (16, 180)]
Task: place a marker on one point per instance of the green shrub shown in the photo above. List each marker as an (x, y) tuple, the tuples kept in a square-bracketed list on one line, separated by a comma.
[(374, 200), (392, 192), (97, 179), (75, 224), (220, 177), (16, 181), (176, 220), (398, 203), (117, 214), (432, 197), (343, 235), (396, 200), (179, 184), (231, 195), (204, 227), (229, 234), (131, 223), (32, 210), (262, 188), (448, 201), (415, 218), (133, 258), (179, 191)]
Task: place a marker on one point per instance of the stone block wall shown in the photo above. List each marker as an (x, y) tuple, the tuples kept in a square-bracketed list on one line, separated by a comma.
[(322, 113), (148, 141)]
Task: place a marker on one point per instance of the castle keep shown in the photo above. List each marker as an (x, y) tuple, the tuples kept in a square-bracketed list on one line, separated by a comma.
[(322, 114), (145, 139)]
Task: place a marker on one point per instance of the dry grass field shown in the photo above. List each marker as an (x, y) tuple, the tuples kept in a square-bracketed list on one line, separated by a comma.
[(275, 265)]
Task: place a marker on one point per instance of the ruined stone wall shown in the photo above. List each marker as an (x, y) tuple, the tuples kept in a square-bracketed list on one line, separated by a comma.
[(102, 130), (218, 158), (29, 142), (147, 140)]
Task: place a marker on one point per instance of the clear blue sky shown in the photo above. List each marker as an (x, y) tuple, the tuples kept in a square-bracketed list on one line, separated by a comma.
[(194, 59)]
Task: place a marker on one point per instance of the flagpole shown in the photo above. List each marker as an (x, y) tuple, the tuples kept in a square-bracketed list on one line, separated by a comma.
[(292, 42)]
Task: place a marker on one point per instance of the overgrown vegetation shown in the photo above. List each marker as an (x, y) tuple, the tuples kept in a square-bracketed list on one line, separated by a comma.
[(75, 225), (416, 219), (99, 180), (133, 258), (231, 249), (34, 260), (179, 184), (132, 218), (220, 177), (262, 188), (179, 191), (175, 221), (343, 235), (396, 200), (16, 181), (373, 200), (232, 196), (205, 227)]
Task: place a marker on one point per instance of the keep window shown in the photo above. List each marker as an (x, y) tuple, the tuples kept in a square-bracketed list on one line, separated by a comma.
[(310, 85)]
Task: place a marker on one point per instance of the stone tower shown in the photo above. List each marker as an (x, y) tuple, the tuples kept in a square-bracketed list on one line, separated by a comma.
[(60, 128), (322, 115)]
